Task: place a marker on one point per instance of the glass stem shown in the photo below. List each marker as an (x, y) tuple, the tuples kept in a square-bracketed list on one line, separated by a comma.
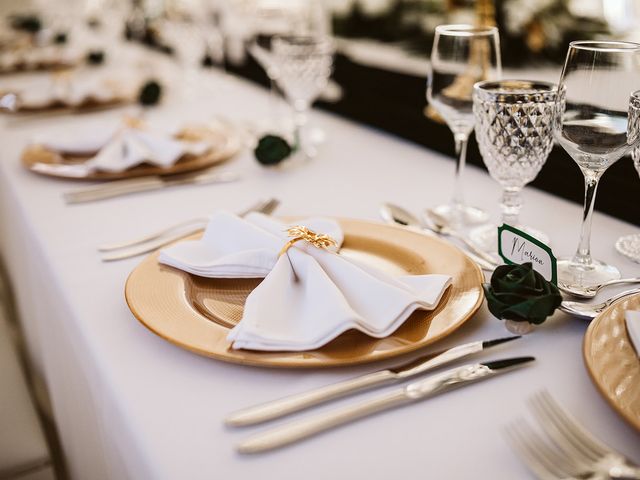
[(583, 254), (461, 151), (299, 122), (511, 204), (273, 100)]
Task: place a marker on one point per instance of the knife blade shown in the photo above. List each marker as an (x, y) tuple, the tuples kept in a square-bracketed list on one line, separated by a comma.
[(125, 187), (413, 392), (285, 406)]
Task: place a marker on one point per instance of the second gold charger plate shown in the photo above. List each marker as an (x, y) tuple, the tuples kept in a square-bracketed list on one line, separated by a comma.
[(225, 144), (612, 361), (196, 313)]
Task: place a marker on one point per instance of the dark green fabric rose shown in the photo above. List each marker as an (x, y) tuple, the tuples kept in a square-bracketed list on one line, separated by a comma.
[(26, 23), (519, 293), (95, 57), (150, 93), (272, 149), (60, 38)]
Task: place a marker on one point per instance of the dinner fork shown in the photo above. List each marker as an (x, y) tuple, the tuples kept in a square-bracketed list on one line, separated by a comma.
[(573, 452), (155, 240)]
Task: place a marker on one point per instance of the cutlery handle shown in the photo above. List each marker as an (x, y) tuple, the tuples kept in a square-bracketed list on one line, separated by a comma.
[(294, 403), (477, 251), (113, 190), (624, 472), (298, 430), (150, 246)]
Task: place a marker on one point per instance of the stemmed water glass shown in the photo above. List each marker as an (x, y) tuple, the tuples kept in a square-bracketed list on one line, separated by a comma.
[(598, 79), (514, 130), (304, 65), (461, 56), (272, 19), (629, 245)]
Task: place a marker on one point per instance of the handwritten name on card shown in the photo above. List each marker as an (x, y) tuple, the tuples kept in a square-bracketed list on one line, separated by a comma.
[(516, 247)]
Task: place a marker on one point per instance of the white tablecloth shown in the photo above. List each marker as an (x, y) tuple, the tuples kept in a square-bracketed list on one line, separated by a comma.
[(131, 406)]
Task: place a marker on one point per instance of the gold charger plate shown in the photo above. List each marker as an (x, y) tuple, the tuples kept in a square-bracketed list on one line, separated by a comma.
[(196, 313), (225, 145), (612, 362)]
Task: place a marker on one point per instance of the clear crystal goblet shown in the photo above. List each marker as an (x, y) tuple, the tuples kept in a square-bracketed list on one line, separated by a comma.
[(597, 82), (629, 245), (514, 131), (304, 64), (461, 56)]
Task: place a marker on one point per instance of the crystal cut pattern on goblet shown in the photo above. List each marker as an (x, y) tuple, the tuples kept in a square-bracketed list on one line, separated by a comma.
[(514, 138)]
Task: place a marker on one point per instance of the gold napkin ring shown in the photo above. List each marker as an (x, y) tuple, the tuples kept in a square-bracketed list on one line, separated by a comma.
[(300, 232)]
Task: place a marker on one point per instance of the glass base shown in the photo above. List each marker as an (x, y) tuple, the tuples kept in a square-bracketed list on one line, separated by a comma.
[(460, 216), (629, 246), (486, 236), (581, 275)]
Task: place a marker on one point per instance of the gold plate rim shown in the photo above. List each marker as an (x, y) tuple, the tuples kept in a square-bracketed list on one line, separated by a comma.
[(588, 356), (298, 359)]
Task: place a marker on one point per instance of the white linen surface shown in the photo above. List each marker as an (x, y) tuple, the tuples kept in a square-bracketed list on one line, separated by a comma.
[(309, 296), (121, 149), (632, 318)]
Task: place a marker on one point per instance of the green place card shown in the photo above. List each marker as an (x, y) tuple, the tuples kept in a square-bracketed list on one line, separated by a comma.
[(517, 247)]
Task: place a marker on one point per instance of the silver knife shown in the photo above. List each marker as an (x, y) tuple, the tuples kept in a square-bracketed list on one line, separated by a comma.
[(144, 184), (294, 403), (434, 385)]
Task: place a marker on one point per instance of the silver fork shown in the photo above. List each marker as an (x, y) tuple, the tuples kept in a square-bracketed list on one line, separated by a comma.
[(153, 241), (573, 452)]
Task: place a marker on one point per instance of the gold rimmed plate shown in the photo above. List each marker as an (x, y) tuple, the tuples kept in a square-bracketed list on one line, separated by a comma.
[(224, 141), (612, 361), (196, 313)]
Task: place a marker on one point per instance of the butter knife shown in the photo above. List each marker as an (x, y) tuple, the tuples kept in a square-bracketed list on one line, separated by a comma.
[(284, 406), (420, 390), (144, 184)]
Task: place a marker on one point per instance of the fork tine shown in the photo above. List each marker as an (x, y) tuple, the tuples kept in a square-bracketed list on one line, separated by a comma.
[(559, 434), (569, 427), (531, 461)]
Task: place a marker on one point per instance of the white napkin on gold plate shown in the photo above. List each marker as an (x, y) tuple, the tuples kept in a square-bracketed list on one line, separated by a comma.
[(632, 318), (119, 150), (309, 295)]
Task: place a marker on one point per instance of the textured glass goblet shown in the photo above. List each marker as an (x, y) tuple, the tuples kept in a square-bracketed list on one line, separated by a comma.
[(514, 130), (304, 64), (629, 245)]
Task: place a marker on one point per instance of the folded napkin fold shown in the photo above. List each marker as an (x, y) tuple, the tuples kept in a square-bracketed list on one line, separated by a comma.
[(309, 295), (632, 317), (119, 150)]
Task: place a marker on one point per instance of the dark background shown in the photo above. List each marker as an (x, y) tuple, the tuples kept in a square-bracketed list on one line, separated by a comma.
[(394, 102)]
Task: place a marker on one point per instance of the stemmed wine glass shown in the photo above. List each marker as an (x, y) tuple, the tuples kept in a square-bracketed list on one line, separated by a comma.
[(272, 19), (514, 130), (598, 79), (461, 56), (629, 245), (304, 64)]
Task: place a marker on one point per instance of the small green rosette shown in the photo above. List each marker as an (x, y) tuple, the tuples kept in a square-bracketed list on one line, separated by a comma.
[(520, 294)]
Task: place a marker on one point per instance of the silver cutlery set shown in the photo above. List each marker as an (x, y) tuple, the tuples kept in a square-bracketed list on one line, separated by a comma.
[(128, 186), (148, 243), (415, 391)]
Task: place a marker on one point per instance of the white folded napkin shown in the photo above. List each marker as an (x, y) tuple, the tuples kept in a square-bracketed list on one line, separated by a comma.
[(632, 317), (308, 296), (119, 150)]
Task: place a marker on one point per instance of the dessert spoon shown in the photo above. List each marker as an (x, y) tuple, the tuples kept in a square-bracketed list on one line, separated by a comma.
[(592, 290)]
